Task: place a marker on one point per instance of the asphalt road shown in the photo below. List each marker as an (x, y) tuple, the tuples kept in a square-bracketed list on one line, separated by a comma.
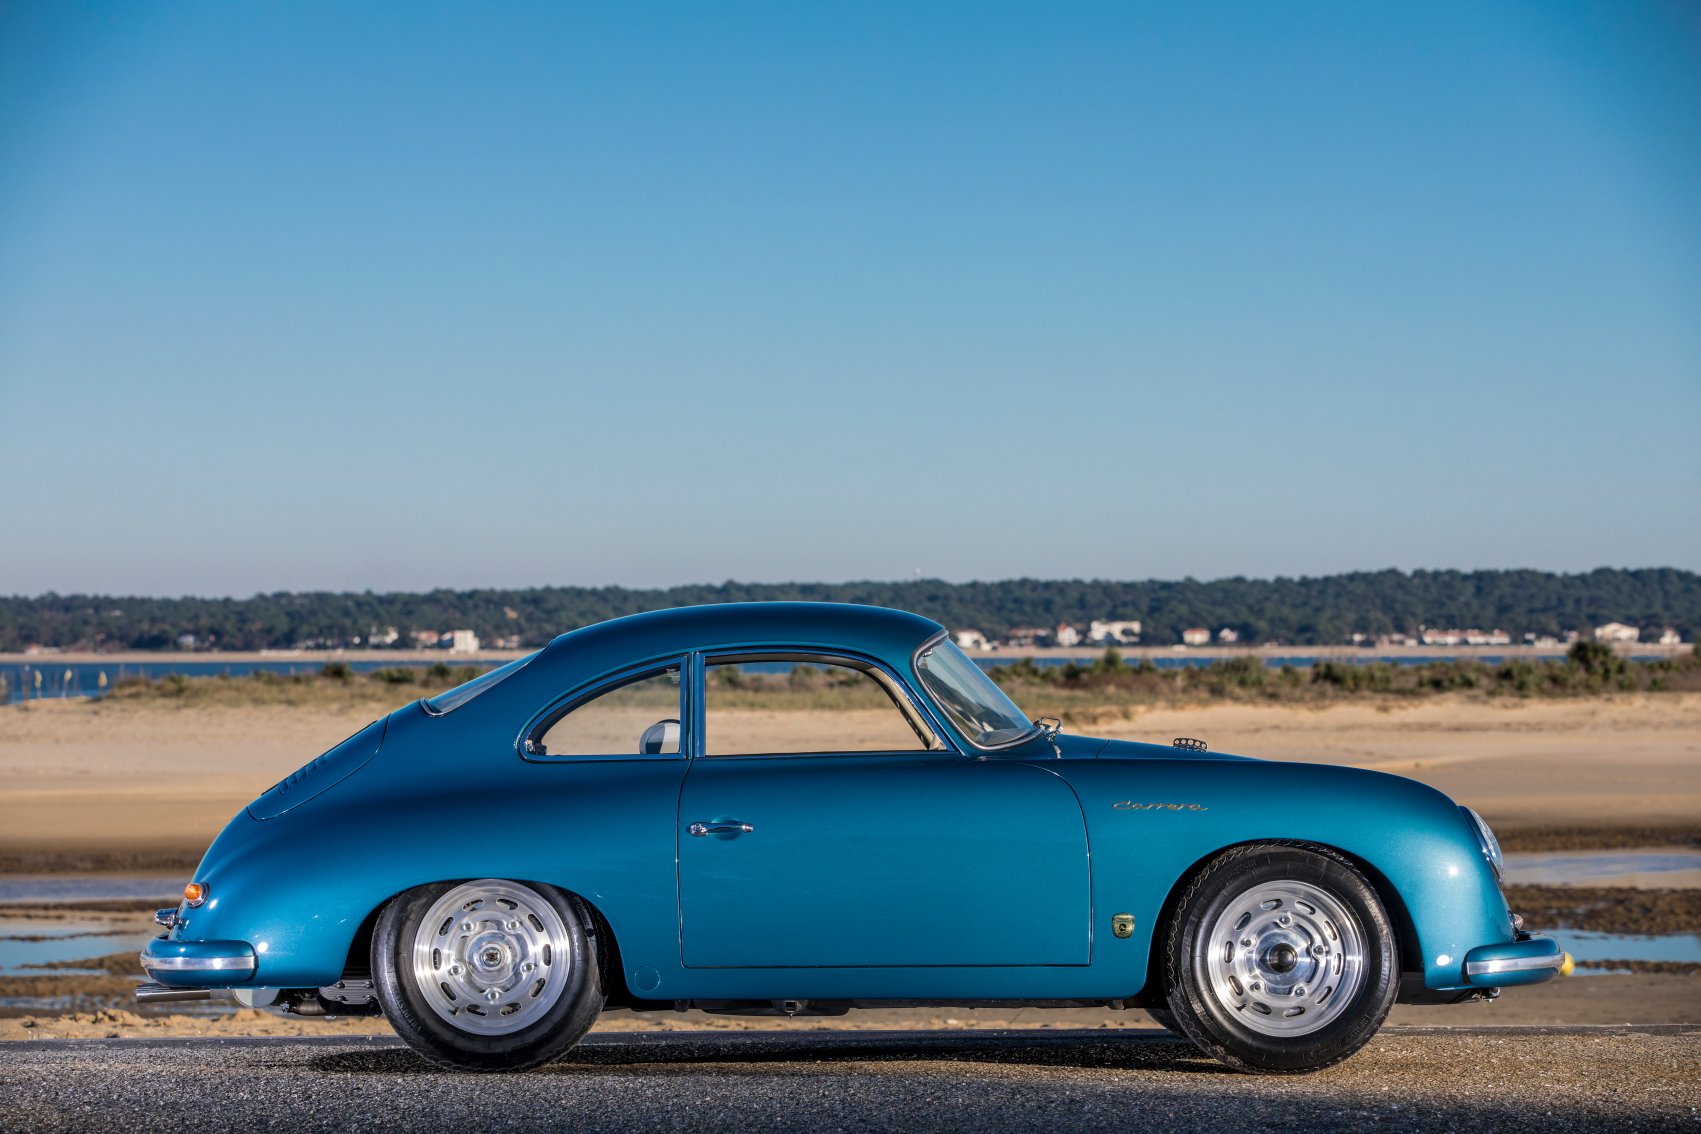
[(1504, 1080)]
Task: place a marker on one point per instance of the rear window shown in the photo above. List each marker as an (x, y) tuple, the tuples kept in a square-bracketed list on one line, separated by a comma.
[(452, 699)]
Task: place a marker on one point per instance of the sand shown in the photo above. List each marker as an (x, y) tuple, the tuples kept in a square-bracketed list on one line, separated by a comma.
[(1628, 760), (87, 785)]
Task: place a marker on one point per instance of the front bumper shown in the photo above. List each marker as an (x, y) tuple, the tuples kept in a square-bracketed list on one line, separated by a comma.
[(1530, 961), (198, 964)]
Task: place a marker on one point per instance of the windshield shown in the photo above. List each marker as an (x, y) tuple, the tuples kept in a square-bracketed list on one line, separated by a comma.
[(454, 698), (976, 705)]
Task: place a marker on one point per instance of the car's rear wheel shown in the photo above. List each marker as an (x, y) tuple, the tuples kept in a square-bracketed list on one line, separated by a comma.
[(488, 975), (1281, 959)]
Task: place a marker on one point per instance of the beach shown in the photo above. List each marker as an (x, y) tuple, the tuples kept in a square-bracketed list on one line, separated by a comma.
[(90, 789), (88, 784)]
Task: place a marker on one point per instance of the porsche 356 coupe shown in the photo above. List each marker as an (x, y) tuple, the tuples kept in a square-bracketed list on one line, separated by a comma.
[(634, 816)]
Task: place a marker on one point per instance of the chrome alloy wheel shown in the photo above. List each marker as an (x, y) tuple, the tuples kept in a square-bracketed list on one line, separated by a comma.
[(491, 956), (1284, 957)]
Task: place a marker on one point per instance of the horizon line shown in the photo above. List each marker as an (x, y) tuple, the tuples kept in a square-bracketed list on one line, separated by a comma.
[(904, 581)]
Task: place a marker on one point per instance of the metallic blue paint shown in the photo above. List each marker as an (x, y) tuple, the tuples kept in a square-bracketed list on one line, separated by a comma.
[(943, 875)]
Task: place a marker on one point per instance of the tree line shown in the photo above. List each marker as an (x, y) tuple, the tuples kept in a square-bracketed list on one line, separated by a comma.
[(1302, 611)]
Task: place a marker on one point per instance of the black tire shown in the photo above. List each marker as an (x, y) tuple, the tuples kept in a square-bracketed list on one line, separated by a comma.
[(1166, 1019), (408, 1005), (1200, 972)]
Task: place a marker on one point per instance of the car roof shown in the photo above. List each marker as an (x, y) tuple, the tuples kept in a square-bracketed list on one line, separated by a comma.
[(880, 632)]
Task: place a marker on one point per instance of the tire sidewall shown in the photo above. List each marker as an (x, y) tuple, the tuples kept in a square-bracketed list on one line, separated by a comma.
[(440, 1041), (1215, 1026)]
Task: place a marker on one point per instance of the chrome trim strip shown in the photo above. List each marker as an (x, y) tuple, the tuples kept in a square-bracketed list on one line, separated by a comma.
[(1513, 965), (197, 964), (915, 667)]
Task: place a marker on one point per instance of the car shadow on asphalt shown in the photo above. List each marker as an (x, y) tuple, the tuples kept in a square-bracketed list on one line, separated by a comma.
[(685, 1051)]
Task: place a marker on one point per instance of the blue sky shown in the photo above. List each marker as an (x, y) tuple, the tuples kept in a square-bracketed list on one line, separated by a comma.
[(304, 296)]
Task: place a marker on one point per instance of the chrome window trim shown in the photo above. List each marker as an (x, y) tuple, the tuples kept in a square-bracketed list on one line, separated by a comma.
[(584, 694), (915, 664), (919, 709), (433, 711)]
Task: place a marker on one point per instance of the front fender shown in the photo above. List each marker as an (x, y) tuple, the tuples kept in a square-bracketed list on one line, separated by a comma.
[(1151, 822)]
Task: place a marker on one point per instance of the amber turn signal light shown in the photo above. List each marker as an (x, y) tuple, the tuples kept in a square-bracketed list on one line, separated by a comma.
[(195, 893)]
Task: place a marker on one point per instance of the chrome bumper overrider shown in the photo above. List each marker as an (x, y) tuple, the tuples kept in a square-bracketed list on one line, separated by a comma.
[(1501, 965), (197, 962), (1530, 961)]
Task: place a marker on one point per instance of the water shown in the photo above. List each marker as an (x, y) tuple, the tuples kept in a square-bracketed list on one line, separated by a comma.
[(27, 944), (160, 888), (1588, 947), (1603, 868)]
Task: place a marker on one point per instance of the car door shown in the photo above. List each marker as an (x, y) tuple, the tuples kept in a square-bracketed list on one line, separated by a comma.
[(817, 830)]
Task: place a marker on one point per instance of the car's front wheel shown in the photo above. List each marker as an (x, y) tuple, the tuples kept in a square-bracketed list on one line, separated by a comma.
[(1281, 959), (488, 975)]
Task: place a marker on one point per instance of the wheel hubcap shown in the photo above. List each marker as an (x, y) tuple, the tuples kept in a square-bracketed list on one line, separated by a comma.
[(1285, 957), (491, 956)]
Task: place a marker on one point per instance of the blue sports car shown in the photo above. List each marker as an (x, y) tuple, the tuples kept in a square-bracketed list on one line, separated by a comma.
[(653, 813)]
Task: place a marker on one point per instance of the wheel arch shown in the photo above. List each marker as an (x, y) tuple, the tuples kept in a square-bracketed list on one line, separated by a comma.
[(1405, 931), (359, 960)]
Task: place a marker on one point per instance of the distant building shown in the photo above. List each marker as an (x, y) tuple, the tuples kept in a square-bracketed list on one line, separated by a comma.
[(384, 637), (1670, 637), (1025, 636), (1487, 638), (425, 639), (971, 640), (186, 641), (1228, 637), (1125, 632), (461, 642), (1066, 635), (1196, 636), (1617, 632)]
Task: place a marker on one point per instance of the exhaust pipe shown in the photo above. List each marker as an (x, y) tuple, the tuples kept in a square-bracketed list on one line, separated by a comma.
[(157, 993)]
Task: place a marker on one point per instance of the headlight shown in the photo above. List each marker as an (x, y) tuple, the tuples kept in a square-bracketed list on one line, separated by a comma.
[(1490, 844)]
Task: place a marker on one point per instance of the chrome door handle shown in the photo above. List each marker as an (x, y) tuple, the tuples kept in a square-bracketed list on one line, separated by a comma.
[(731, 827)]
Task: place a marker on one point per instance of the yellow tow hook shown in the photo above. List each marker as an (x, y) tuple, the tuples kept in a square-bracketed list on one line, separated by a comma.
[(1567, 966)]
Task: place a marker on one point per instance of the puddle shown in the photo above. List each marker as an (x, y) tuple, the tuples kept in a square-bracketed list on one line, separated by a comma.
[(32, 944), (1589, 948), (160, 888), (1676, 869)]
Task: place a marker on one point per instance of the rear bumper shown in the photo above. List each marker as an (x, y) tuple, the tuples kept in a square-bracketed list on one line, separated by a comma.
[(198, 964), (1531, 961)]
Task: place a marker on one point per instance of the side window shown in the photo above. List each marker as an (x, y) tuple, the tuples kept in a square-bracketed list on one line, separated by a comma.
[(771, 706), (638, 717)]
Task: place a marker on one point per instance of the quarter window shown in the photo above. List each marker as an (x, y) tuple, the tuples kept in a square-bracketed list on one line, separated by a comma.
[(638, 717), (792, 704)]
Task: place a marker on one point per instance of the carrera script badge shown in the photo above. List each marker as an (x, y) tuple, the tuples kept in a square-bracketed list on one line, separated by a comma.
[(1130, 805)]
